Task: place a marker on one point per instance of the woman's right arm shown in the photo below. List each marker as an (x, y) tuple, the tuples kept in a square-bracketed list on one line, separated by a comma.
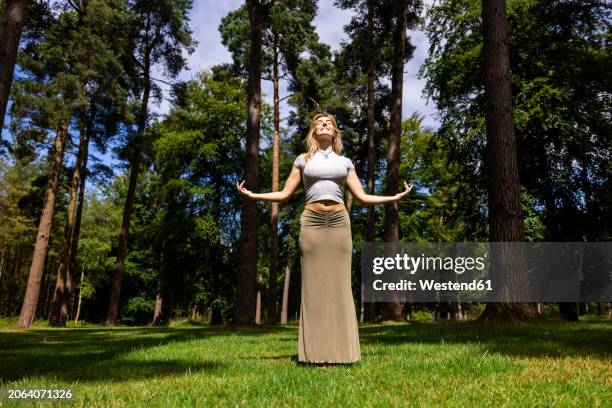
[(293, 181)]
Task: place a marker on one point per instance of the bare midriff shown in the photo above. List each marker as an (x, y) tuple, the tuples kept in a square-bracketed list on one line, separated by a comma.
[(324, 205)]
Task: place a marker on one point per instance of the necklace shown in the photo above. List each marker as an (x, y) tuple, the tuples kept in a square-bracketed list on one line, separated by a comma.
[(326, 155)]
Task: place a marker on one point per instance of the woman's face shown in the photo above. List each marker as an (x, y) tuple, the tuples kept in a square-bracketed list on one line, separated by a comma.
[(324, 128)]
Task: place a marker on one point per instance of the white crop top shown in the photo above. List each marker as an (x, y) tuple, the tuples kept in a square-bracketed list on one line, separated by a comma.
[(324, 177)]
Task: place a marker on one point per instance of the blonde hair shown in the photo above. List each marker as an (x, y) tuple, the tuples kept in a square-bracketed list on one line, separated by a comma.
[(311, 141)]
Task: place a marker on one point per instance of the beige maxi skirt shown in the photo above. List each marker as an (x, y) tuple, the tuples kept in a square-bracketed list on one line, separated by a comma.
[(328, 331)]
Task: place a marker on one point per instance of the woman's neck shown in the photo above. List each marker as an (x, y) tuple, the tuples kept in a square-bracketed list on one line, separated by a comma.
[(325, 148)]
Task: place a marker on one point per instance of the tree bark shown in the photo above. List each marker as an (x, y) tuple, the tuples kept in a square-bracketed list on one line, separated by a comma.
[(258, 307), (63, 284), (505, 214), (602, 309), (214, 253), (368, 313), (78, 216), (158, 296), (78, 310), (79, 211), (393, 310), (13, 20), (113, 305), (285, 304), (272, 282), (2, 260), (245, 294), (158, 307), (30, 301)]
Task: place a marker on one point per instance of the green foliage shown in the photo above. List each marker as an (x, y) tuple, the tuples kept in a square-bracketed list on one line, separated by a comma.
[(184, 230), (95, 259), (138, 310), (558, 62), (287, 32)]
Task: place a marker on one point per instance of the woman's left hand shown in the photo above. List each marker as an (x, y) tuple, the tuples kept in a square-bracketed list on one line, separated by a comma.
[(407, 190)]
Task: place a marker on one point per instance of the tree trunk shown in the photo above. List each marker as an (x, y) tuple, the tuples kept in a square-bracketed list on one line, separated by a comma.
[(214, 253), (368, 308), (285, 305), (13, 20), (258, 307), (17, 271), (3, 296), (158, 296), (245, 292), (30, 301), (273, 278), (569, 311), (258, 319), (113, 304), (2, 260), (458, 311), (393, 310), (505, 215), (79, 211), (78, 310), (158, 307), (46, 290), (602, 309), (63, 283)]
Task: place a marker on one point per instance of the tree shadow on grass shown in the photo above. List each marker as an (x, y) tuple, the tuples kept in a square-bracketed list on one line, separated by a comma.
[(103, 354), (550, 339)]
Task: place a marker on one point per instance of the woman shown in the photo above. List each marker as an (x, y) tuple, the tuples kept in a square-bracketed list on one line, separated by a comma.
[(328, 331)]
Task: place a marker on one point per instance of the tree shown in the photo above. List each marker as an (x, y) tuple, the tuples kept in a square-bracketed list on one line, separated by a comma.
[(45, 99), (159, 33), (506, 217), (393, 310), (18, 225), (93, 51), (368, 54), (198, 163), (11, 25), (30, 301), (101, 218), (245, 292), (286, 33), (559, 104)]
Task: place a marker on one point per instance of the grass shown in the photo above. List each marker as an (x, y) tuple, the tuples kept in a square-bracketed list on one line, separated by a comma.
[(407, 364)]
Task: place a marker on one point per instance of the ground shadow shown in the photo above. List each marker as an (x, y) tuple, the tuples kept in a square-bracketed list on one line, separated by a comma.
[(102, 354), (294, 358)]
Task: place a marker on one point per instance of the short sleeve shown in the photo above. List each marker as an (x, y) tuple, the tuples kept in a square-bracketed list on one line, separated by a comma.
[(299, 162), (349, 165)]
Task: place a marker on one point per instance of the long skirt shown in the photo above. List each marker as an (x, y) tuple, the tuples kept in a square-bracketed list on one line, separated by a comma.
[(328, 331)]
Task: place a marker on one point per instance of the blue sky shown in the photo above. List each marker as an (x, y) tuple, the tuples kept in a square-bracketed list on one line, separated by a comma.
[(205, 19)]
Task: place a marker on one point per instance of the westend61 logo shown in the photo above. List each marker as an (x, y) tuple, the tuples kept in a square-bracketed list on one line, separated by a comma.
[(487, 271)]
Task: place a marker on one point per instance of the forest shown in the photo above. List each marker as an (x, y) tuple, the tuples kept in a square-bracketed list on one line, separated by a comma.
[(114, 214)]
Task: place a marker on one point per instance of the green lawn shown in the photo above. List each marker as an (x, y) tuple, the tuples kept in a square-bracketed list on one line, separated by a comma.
[(412, 364)]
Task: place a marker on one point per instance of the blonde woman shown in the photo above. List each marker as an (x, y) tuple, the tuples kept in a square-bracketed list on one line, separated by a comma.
[(328, 331)]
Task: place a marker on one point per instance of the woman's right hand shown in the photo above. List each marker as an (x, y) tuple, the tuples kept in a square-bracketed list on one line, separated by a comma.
[(243, 191)]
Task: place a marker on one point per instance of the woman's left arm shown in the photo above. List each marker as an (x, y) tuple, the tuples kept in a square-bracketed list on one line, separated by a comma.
[(354, 185)]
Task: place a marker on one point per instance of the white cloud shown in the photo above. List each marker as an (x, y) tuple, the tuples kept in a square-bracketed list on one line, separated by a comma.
[(329, 23)]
